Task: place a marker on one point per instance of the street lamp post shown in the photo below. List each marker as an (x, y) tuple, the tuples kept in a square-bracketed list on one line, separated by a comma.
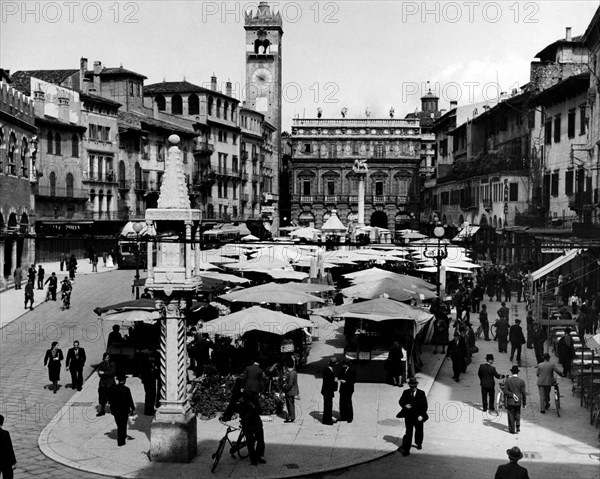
[(438, 255), (137, 227)]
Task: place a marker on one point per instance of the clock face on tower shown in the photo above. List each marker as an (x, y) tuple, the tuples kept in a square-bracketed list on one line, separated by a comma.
[(262, 77)]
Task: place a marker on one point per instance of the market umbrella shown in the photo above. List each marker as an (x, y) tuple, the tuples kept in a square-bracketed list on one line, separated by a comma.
[(223, 277), (282, 273), (372, 274), (255, 319), (271, 293), (450, 269), (250, 238), (134, 310), (310, 287), (307, 233), (400, 289)]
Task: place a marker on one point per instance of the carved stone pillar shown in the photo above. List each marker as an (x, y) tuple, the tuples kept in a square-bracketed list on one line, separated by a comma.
[(173, 433), (361, 200)]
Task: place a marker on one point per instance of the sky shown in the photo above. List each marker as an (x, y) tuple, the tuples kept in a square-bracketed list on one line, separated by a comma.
[(336, 54)]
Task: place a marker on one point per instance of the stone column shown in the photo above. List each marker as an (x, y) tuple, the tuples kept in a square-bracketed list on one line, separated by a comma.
[(361, 200), (173, 432), (150, 252), (189, 267)]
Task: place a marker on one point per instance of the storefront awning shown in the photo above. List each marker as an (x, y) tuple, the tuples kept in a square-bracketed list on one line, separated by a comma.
[(556, 263), (465, 232)]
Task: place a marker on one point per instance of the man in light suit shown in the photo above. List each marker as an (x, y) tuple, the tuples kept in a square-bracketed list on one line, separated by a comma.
[(75, 362), (514, 398), (414, 411), (328, 389), (512, 470), (486, 374), (545, 374), (291, 390)]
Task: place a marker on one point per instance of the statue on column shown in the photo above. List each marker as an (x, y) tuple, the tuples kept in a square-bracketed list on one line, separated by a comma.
[(360, 166)]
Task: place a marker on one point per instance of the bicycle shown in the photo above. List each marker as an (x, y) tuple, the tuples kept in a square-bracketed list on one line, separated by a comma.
[(66, 300), (500, 395), (557, 398), (238, 447), (493, 331)]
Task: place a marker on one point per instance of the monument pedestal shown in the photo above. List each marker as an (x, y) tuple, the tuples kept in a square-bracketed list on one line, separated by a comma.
[(173, 436)]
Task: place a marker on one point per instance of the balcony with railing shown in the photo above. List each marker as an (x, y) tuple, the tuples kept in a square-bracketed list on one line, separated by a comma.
[(141, 185), (269, 198), (402, 200), (47, 191), (228, 172), (124, 185), (98, 177), (378, 199), (204, 148), (331, 199)]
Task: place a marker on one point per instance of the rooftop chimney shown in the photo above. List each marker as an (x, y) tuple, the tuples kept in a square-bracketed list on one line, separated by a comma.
[(87, 86), (39, 102), (83, 66), (568, 34), (213, 83), (453, 104), (228, 88), (97, 68), (97, 71), (63, 109)]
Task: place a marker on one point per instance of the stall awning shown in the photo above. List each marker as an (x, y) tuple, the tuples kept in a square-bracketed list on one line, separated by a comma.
[(556, 263), (462, 234)]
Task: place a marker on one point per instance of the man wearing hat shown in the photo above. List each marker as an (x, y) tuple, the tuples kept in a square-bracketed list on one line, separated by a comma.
[(328, 389), (514, 398), (545, 374), (121, 405), (414, 411), (487, 372), (347, 378), (457, 352), (517, 340), (512, 470), (539, 338)]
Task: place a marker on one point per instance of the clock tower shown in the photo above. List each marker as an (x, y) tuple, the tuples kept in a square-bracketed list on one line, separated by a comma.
[(264, 29)]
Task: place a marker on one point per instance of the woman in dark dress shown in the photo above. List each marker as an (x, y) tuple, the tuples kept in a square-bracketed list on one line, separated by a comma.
[(53, 360)]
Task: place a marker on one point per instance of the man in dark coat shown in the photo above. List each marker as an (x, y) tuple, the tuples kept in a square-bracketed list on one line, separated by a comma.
[(414, 411), (514, 398), (394, 365), (149, 376), (106, 371), (328, 389), (347, 378), (8, 461), (31, 272), (253, 428), (487, 372), (517, 340), (75, 362), (529, 321), (502, 328), (52, 283), (121, 405), (29, 293), (40, 277), (539, 338), (253, 379), (512, 470), (457, 352), (18, 275), (291, 390), (504, 312)]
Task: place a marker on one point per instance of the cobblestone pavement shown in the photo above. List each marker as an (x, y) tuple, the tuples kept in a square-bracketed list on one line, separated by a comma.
[(25, 401)]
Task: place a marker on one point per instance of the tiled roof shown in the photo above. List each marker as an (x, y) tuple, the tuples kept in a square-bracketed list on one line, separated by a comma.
[(119, 71), (101, 99), (175, 87), (22, 79), (139, 121)]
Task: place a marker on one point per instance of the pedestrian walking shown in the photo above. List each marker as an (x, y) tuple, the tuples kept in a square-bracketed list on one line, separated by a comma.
[(40, 277), (121, 406), (149, 377), (52, 283), (106, 371), (72, 267), (8, 461), (253, 428), (514, 399), (487, 372), (393, 365), (414, 411), (566, 350), (94, 262), (512, 470), (440, 335), (517, 340), (502, 329), (114, 337), (545, 375), (53, 359), (347, 379), (31, 273), (104, 257), (64, 258), (529, 321), (539, 338), (457, 352), (75, 362), (484, 322), (504, 312), (253, 379), (328, 389), (29, 293), (18, 276), (290, 389)]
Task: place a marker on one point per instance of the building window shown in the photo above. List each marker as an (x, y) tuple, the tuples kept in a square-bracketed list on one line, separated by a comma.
[(24, 150), (234, 191), (52, 184), (569, 182), (234, 163), (225, 188), (176, 105), (234, 139), (218, 108), (306, 188), (75, 145), (49, 143), (571, 123), (160, 147), (234, 211), (58, 144), (193, 104), (513, 193), (12, 146), (582, 119), (379, 188), (554, 184), (145, 149), (160, 103), (548, 132), (306, 147), (185, 154), (379, 150), (210, 106), (331, 188), (69, 181), (557, 129), (219, 190)]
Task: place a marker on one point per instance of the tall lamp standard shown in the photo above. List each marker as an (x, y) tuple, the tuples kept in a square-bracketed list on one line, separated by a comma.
[(438, 255), (137, 227)]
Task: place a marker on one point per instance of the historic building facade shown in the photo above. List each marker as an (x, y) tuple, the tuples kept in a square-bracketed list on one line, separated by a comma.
[(18, 174), (322, 179)]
